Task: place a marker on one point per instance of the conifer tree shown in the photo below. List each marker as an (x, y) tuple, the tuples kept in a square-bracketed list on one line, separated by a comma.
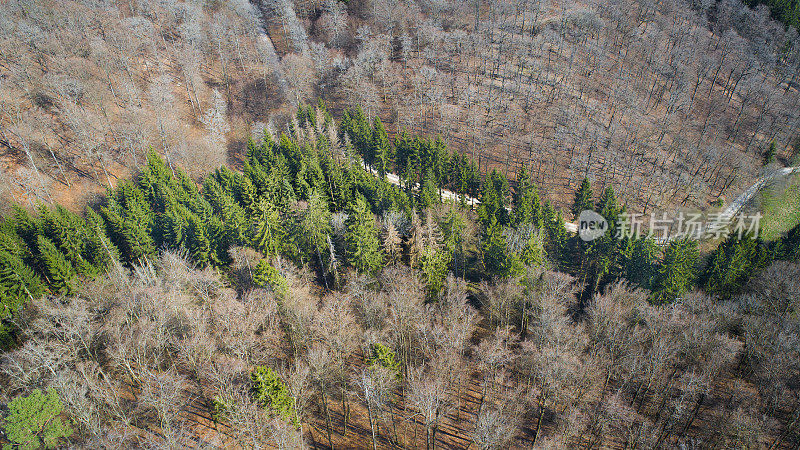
[(156, 182), (226, 179), (10, 241), (245, 193), (640, 260), (428, 195), (527, 204), (607, 206), (362, 241), (56, 226), (279, 186), (130, 222), (733, 263), (99, 250), (231, 213), (68, 232), (358, 130), (583, 198), (170, 227), (407, 159), (197, 242), (270, 391), (269, 233), (677, 272), (457, 177), (254, 172), (345, 125), (18, 283), (453, 228), (769, 154), (497, 259), (59, 272), (26, 226), (533, 252), (603, 256), (435, 262), (267, 276), (379, 147), (494, 198), (439, 162), (315, 227), (555, 232), (790, 245)]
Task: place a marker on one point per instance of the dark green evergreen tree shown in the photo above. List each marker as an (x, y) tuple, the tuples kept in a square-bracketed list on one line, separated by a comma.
[(269, 233), (769, 154), (70, 235), (555, 233), (435, 264), (603, 257), (99, 250), (197, 242), (733, 263), (26, 227), (407, 159), (527, 204), (583, 198), (18, 283), (232, 215), (639, 265), (59, 272), (453, 227), (677, 272), (429, 194), (362, 241), (379, 147), (497, 259), (245, 193), (494, 199), (315, 229), (130, 222)]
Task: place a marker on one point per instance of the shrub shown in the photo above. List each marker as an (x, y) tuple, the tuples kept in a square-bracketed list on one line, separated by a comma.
[(270, 391), (33, 421)]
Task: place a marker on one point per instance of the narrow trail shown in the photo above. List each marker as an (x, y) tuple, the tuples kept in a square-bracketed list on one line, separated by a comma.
[(727, 214)]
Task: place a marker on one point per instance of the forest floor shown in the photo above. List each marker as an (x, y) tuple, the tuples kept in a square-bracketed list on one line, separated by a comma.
[(399, 426)]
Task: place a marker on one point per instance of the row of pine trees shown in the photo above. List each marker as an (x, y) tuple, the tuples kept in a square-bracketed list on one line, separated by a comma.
[(314, 202)]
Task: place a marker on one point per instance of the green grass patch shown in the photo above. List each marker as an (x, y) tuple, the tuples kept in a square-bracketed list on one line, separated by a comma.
[(780, 206)]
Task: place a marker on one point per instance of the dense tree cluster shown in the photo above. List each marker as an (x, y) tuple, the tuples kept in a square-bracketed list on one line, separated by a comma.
[(308, 298), (673, 103)]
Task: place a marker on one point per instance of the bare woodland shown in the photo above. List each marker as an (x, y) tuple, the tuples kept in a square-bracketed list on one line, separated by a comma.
[(138, 358), (671, 102), (299, 301)]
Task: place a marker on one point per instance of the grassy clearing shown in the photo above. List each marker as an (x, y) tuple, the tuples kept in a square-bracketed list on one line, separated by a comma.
[(780, 206)]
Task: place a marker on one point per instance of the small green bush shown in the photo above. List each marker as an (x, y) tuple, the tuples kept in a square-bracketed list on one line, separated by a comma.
[(386, 357), (270, 391), (267, 276), (33, 421), (219, 408)]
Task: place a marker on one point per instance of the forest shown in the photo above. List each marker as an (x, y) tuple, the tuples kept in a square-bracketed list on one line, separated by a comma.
[(360, 224), (306, 301), (671, 102)]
